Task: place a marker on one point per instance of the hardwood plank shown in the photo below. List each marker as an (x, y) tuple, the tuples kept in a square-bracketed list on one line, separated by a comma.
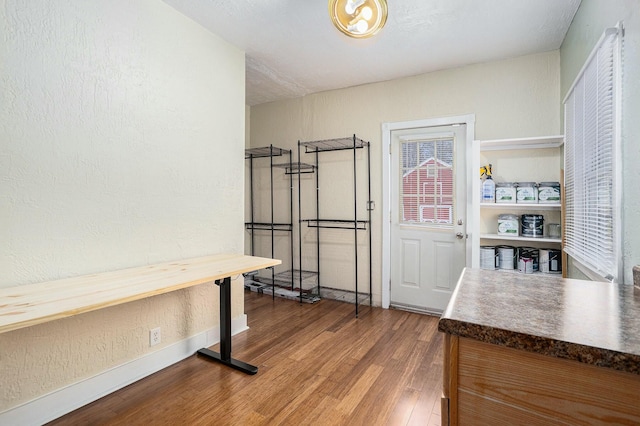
[(359, 389), (318, 364), (427, 407)]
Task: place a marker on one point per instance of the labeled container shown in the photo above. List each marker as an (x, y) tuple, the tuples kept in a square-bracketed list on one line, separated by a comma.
[(488, 257), (549, 193), (531, 253), (508, 225), (526, 193), (506, 257), (532, 225), (551, 261), (505, 192), (488, 190), (525, 265)]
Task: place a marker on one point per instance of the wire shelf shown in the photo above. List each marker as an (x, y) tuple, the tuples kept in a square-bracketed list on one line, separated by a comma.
[(336, 224), (288, 280), (350, 142), (265, 151), (295, 273), (296, 168), (268, 226)]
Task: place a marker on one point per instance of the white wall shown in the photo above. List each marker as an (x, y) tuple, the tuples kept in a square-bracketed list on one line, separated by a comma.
[(122, 137), (511, 98), (590, 21)]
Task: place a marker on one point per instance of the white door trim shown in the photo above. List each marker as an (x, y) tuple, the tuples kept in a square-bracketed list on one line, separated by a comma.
[(387, 128)]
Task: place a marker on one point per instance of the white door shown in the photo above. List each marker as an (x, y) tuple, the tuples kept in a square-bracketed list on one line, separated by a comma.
[(428, 215)]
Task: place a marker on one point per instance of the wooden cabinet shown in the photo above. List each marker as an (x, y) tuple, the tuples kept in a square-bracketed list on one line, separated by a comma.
[(488, 384), (522, 349)]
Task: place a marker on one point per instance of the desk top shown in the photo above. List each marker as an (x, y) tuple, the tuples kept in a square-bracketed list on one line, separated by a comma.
[(27, 305), (586, 321)]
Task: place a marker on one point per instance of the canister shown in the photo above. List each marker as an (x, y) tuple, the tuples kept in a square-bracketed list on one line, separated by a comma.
[(532, 225), (532, 253), (508, 225), (525, 265), (549, 193), (505, 192), (553, 230), (526, 192), (488, 257), (550, 261), (506, 257)]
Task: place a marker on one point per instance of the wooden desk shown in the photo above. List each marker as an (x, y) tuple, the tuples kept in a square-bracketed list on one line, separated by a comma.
[(28, 305)]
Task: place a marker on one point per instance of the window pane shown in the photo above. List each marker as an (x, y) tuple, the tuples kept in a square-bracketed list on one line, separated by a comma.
[(427, 190)]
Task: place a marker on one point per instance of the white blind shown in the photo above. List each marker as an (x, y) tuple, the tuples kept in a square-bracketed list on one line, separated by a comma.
[(592, 218), (427, 191)]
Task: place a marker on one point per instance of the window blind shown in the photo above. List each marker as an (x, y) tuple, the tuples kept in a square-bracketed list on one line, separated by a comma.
[(591, 161), (427, 190)]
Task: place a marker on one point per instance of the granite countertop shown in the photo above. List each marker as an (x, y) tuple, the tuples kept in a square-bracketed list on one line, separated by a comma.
[(591, 322)]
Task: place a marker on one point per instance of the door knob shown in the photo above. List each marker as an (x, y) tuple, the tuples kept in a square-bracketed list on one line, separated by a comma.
[(459, 235)]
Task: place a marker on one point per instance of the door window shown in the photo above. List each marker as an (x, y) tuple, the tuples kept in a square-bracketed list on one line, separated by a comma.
[(427, 187)]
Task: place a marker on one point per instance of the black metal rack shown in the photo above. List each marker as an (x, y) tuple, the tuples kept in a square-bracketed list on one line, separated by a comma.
[(355, 224), (296, 168), (270, 152)]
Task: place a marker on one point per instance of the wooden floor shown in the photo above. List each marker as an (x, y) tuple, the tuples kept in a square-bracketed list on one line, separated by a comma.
[(318, 365)]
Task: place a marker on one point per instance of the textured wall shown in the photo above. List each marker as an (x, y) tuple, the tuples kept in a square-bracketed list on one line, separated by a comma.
[(511, 98), (590, 21), (122, 129)]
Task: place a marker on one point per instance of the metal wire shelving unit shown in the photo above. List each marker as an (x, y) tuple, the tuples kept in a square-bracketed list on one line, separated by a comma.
[(356, 224), (252, 226)]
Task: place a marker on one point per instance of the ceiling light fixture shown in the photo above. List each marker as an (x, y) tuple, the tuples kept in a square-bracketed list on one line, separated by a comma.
[(358, 18)]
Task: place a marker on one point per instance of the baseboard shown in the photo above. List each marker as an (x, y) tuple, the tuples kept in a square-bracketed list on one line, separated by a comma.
[(64, 400)]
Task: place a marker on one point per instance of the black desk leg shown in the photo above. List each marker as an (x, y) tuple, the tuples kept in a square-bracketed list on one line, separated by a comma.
[(224, 356)]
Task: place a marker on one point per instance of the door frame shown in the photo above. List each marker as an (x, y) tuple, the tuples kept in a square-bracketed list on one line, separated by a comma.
[(469, 120)]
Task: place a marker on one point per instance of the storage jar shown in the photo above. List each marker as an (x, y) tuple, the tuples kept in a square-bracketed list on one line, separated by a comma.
[(508, 225), (549, 193), (532, 225), (505, 192), (527, 192)]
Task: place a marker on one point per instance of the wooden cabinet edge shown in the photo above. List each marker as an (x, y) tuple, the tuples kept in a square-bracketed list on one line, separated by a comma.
[(450, 380), (444, 411)]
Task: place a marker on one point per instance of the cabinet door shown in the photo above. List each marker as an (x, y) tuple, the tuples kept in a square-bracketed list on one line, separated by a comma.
[(503, 386)]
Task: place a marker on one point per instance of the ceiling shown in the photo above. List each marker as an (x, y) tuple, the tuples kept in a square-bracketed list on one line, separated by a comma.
[(292, 48)]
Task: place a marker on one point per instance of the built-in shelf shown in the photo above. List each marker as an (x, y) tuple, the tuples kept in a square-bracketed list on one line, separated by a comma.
[(522, 143), (511, 238), (502, 152), (523, 206)]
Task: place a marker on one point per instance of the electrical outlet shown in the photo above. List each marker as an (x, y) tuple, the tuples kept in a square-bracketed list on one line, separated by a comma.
[(154, 336)]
